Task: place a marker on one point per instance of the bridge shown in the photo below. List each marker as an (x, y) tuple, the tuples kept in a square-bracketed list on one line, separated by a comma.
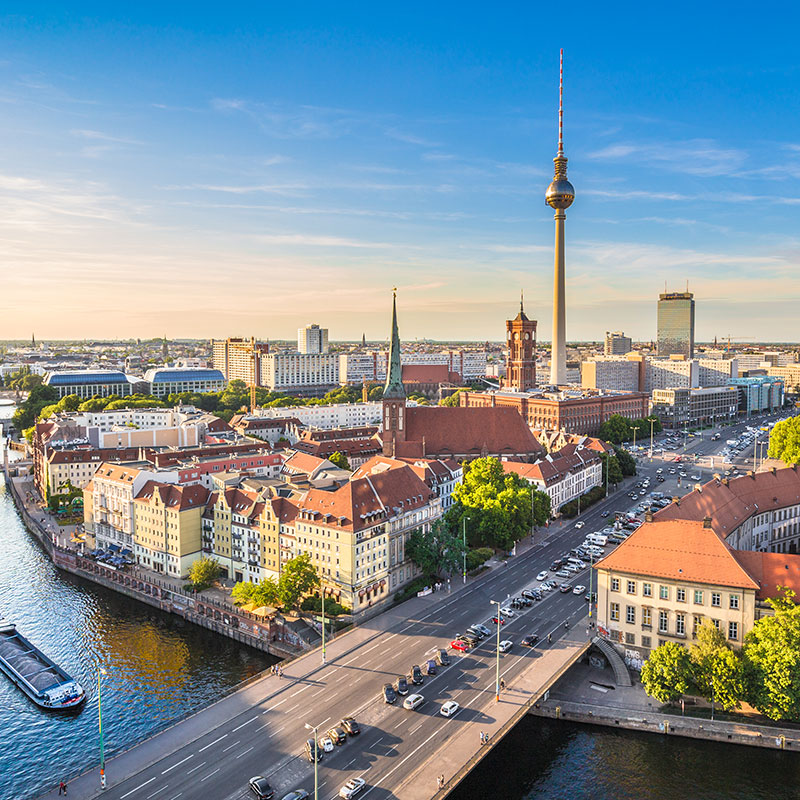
[(260, 730)]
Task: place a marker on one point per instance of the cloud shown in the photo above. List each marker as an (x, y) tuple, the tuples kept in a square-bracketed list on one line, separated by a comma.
[(305, 240), (103, 137), (410, 138)]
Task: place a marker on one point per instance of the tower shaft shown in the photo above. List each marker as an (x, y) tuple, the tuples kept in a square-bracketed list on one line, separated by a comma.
[(558, 353)]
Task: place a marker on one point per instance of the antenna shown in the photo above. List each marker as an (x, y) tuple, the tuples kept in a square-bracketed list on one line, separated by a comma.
[(521, 300), (561, 103)]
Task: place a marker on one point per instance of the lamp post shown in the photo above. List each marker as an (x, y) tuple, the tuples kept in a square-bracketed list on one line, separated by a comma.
[(652, 422), (316, 754), (322, 593), (497, 655), (591, 569), (100, 672), (464, 554)]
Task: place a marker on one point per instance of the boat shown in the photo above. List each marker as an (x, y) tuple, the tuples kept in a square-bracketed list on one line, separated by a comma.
[(37, 675)]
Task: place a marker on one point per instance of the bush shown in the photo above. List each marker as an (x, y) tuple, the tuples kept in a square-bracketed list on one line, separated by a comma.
[(417, 585), (570, 509), (332, 608), (478, 556)]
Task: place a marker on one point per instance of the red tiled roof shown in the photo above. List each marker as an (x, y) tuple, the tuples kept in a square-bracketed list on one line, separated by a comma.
[(179, 498), (771, 570), (553, 468), (678, 550), (429, 373), (304, 463)]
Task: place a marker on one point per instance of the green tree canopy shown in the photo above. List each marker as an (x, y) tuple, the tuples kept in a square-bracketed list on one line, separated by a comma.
[(716, 670), (772, 660), (453, 400), (667, 672), (616, 429), (612, 472), (784, 441), (437, 552), (340, 460), (259, 594), (626, 461), (204, 572), (298, 578)]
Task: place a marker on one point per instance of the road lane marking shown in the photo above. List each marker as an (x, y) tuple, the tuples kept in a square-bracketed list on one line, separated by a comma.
[(279, 703), (193, 769), (168, 769), (372, 648), (225, 750), (210, 774), (252, 719), (323, 722), (346, 766), (398, 724), (302, 688), (319, 691), (176, 796), (245, 752), (374, 744), (406, 759), (140, 786), (278, 730), (224, 735), (157, 791), (390, 637)]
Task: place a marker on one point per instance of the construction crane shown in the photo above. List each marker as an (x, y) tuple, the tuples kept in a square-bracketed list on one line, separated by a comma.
[(365, 387), (736, 339)]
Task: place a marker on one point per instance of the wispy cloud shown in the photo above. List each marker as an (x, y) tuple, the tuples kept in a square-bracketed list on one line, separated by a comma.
[(306, 240), (410, 138)]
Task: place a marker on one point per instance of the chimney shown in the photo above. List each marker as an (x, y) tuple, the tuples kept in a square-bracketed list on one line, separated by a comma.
[(773, 470), (648, 516), (699, 487), (724, 481), (706, 522), (750, 474)]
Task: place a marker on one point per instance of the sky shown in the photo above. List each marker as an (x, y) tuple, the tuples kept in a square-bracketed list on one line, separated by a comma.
[(212, 170)]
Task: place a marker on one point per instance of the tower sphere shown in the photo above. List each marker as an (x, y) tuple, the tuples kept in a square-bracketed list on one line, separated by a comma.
[(560, 194)]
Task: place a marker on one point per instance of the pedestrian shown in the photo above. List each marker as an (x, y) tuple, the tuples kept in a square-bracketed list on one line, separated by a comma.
[(502, 684), (62, 788)]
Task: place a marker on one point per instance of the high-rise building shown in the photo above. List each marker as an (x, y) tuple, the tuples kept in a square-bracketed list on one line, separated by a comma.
[(617, 344), (521, 353), (559, 197), (240, 360), (312, 339), (676, 324)]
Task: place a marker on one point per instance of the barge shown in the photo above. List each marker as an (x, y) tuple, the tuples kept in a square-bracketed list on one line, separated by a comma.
[(37, 675)]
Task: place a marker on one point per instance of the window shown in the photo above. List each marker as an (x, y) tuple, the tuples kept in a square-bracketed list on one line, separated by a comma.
[(631, 587), (646, 641), (647, 589), (715, 623), (663, 592), (734, 601), (630, 638), (630, 615), (716, 599), (615, 584), (680, 595), (680, 624), (615, 612), (663, 623), (733, 630), (698, 597), (647, 617)]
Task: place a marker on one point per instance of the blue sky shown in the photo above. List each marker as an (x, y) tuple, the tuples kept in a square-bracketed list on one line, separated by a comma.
[(180, 171)]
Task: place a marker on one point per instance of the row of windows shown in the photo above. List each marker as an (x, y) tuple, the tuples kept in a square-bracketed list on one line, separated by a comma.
[(664, 593), (679, 628)]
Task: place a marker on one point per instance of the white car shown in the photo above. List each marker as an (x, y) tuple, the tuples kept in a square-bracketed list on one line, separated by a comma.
[(580, 524), (506, 611), (542, 575), (449, 708), (352, 788), (579, 589), (326, 743), (413, 702), (505, 645)]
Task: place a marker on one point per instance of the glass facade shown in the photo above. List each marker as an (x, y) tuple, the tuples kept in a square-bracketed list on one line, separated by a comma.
[(676, 324)]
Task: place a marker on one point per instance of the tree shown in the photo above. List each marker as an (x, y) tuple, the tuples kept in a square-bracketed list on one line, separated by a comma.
[(204, 572), (784, 441), (38, 398), (298, 578), (340, 460), (612, 472), (437, 552), (626, 461), (772, 660), (453, 400), (616, 429), (716, 669), (667, 672)]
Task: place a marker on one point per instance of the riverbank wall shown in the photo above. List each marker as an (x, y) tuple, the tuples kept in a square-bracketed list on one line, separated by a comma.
[(269, 634), (634, 719)]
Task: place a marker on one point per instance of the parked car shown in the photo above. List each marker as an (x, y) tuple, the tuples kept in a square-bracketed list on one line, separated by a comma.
[(475, 631), (350, 725), (507, 611), (563, 573), (297, 794), (416, 675), (449, 708), (484, 629), (352, 788), (529, 640), (505, 645), (459, 644), (260, 787), (337, 734), (443, 658), (401, 685), (542, 575), (326, 743), (430, 667), (469, 638), (413, 702), (529, 594), (389, 694), (501, 621), (313, 752)]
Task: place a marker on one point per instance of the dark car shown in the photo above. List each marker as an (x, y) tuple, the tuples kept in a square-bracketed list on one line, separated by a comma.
[(528, 593), (526, 601), (261, 789), (605, 514), (443, 658), (590, 597), (530, 640), (430, 667), (556, 565), (351, 726), (468, 638), (565, 587), (389, 695), (416, 675), (401, 685), (517, 603), (337, 735), (313, 751), (475, 631), (297, 794), (483, 629)]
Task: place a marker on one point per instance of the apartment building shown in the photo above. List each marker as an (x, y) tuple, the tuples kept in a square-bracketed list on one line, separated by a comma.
[(75, 466), (759, 394), (614, 373), (300, 373), (671, 373), (617, 344), (240, 359), (312, 339), (339, 415), (359, 366)]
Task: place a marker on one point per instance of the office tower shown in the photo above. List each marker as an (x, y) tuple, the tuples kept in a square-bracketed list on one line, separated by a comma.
[(676, 324), (617, 344), (312, 339)]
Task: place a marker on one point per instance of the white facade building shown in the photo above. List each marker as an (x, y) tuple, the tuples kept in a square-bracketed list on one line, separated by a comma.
[(287, 372), (341, 415), (358, 367), (312, 339)]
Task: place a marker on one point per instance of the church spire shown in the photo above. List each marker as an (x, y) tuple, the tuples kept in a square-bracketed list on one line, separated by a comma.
[(394, 377)]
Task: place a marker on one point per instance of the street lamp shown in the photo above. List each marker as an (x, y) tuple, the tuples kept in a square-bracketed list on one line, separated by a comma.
[(100, 672), (591, 569), (497, 656), (316, 754), (652, 422), (464, 534), (322, 592)]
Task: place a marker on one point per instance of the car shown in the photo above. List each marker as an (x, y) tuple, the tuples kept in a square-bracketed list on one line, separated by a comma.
[(260, 787), (469, 638), (326, 743), (542, 575), (505, 645), (537, 595), (590, 597), (449, 708), (401, 685), (556, 565), (458, 644), (430, 667), (580, 524), (501, 621), (531, 594), (695, 477), (416, 675), (389, 694), (579, 589), (337, 735), (350, 725), (475, 631), (605, 514), (507, 611), (526, 601), (486, 631), (313, 752), (443, 658), (517, 603), (659, 471), (352, 788), (563, 573), (529, 640), (565, 587), (413, 702), (297, 794)]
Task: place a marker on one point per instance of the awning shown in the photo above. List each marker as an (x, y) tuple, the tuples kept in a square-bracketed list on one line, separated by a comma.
[(113, 548), (126, 552)]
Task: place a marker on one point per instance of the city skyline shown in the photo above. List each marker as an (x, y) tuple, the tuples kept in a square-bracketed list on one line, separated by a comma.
[(285, 171)]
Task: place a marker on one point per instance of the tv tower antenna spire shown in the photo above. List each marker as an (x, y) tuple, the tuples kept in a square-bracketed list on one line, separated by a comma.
[(561, 103)]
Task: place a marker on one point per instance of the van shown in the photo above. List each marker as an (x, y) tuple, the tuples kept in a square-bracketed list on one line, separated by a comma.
[(413, 702), (598, 539)]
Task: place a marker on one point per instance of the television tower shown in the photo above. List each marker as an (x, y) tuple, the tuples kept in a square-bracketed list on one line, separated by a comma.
[(559, 196)]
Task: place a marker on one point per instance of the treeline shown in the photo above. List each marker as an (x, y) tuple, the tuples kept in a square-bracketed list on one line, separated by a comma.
[(618, 429)]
